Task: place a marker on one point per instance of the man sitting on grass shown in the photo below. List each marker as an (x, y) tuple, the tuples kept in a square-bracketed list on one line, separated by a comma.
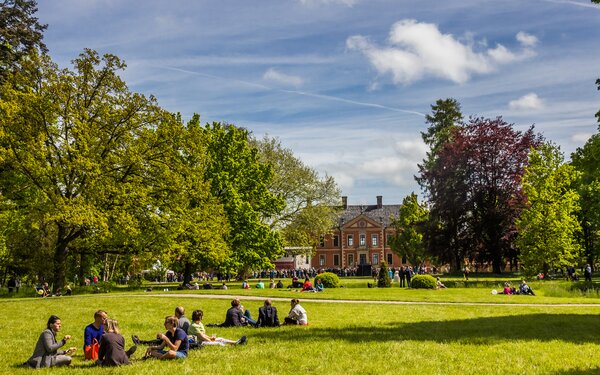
[(175, 339)]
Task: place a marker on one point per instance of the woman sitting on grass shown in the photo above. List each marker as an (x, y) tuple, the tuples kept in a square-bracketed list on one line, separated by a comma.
[(46, 353), (198, 335), (439, 284), (175, 339), (297, 314), (307, 286), (112, 346)]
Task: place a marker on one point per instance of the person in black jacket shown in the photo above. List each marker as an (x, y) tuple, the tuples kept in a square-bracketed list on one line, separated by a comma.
[(267, 315), (234, 316)]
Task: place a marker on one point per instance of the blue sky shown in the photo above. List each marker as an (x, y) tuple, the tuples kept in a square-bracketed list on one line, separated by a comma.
[(346, 83)]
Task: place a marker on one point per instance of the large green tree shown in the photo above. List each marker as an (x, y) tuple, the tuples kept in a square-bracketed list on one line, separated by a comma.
[(240, 180), (547, 228), (310, 207), (97, 166), (410, 225)]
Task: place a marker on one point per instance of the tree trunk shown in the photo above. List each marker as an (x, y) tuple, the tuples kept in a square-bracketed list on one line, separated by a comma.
[(81, 271), (187, 273), (60, 258)]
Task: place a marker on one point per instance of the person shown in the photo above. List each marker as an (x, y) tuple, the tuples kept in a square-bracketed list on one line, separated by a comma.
[(198, 336), (46, 290), (260, 285), (95, 330), (12, 284), (307, 286), (587, 273), (46, 353), (272, 284), (297, 314), (279, 284), (112, 346), (234, 316), (175, 340), (466, 272), (525, 289), (183, 321), (319, 287), (267, 315), (397, 277), (439, 284), (245, 284), (247, 316), (224, 286), (507, 289)]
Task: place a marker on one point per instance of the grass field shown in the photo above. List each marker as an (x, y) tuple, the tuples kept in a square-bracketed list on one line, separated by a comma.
[(343, 337)]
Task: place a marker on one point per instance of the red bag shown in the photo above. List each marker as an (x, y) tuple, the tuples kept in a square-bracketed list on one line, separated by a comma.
[(91, 351)]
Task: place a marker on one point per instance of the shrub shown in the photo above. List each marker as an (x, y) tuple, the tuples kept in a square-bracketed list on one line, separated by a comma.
[(384, 280), (329, 279), (423, 282)]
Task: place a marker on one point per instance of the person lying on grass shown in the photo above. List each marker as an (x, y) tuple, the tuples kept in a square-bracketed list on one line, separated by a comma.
[(175, 340), (198, 337)]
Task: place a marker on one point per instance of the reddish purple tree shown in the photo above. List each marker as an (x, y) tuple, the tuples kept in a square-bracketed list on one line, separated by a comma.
[(475, 191)]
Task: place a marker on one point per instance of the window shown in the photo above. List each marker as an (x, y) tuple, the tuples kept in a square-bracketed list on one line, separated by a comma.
[(321, 260), (376, 258), (390, 259), (351, 260), (374, 239), (336, 241), (389, 240), (336, 259), (363, 240), (322, 241), (350, 240)]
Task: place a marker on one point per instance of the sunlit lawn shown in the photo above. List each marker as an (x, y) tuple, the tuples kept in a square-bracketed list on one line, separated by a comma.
[(354, 338)]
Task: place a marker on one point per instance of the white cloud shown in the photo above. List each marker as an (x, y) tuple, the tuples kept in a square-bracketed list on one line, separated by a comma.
[(527, 40), (581, 137), (527, 102), (417, 49), (286, 79)]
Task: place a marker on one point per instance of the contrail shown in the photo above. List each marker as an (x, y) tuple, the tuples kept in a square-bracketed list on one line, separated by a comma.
[(571, 2), (296, 92)]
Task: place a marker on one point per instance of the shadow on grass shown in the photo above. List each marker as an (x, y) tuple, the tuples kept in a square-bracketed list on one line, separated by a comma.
[(543, 327)]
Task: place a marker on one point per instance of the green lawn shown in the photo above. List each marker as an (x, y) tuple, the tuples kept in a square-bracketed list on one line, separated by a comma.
[(342, 338)]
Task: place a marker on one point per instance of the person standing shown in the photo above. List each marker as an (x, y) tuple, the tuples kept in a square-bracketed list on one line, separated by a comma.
[(587, 273), (46, 353)]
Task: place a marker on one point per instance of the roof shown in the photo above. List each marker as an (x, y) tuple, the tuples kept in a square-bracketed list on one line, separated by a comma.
[(379, 215)]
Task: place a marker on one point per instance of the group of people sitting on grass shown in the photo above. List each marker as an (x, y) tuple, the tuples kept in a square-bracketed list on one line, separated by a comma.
[(523, 289), (104, 343)]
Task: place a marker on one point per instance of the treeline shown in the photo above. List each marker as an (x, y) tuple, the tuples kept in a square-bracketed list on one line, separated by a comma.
[(495, 195), (97, 179)]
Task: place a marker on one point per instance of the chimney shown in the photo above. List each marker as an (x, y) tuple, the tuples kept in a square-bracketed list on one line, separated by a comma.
[(345, 202), (379, 201)]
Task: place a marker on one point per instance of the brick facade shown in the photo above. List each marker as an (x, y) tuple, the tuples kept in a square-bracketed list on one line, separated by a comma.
[(361, 237)]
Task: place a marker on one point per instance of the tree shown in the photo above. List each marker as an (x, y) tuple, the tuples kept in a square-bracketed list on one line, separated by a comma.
[(548, 226), (310, 201), (20, 33), (383, 279), (95, 157), (410, 224), (475, 193), (240, 181), (586, 160)]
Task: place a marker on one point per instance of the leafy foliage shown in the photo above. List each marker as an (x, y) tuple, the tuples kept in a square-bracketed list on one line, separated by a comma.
[(329, 279), (423, 282), (410, 225), (383, 279), (547, 227), (20, 34), (240, 181)]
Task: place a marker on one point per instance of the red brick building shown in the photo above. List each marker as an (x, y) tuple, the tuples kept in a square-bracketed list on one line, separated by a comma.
[(362, 237)]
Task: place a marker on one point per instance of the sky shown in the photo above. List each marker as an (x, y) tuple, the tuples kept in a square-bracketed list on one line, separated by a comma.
[(346, 84)]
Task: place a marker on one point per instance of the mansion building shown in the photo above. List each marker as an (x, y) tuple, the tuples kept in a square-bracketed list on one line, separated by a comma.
[(361, 239)]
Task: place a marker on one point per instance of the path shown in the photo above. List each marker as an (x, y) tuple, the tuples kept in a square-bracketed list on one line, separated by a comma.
[(258, 298)]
